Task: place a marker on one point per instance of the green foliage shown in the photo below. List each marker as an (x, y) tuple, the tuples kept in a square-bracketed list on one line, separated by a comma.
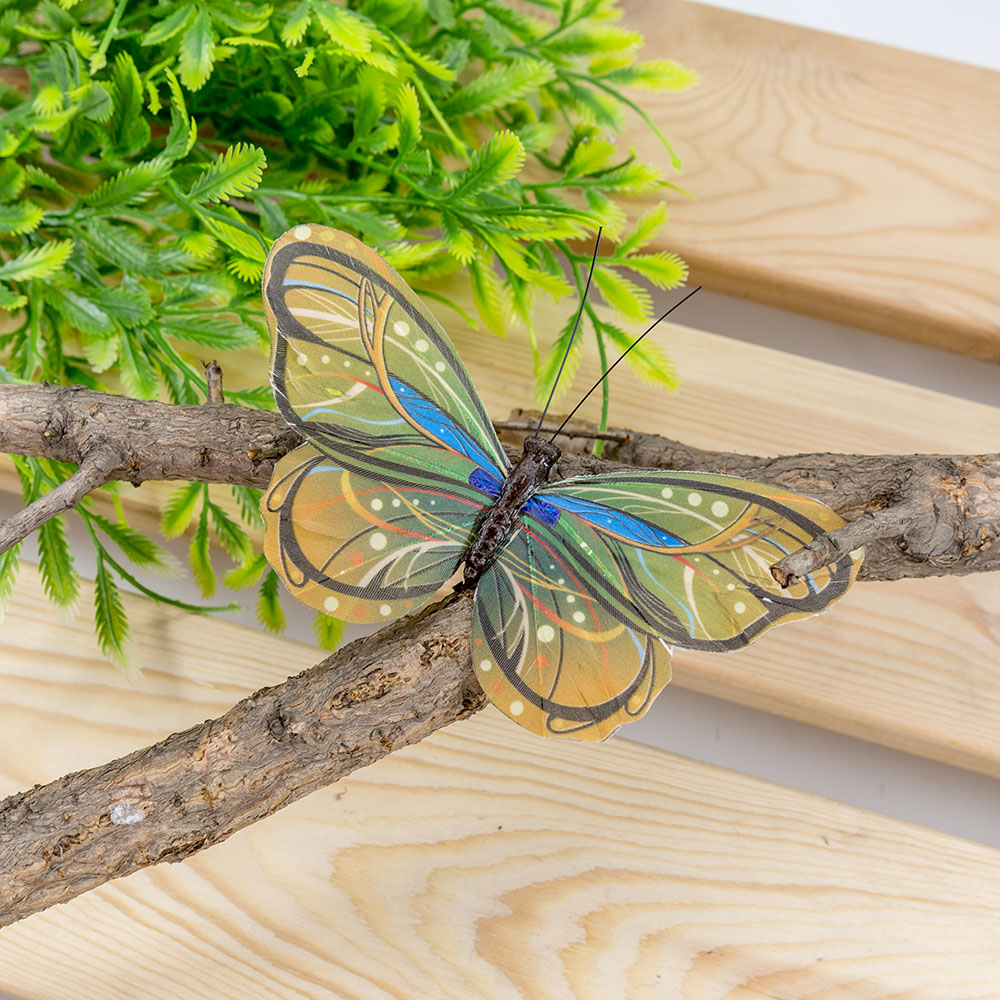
[(151, 151)]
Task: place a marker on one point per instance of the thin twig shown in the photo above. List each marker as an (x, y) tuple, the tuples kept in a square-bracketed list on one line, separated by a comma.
[(213, 376), (96, 471), (572, 432), (871, 526)]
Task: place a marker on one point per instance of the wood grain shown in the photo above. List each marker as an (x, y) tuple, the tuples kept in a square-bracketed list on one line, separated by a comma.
[(838, 178), (480, 863)]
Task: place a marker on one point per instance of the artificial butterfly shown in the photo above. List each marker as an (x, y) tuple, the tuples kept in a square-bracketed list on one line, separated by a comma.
[(581, 585)]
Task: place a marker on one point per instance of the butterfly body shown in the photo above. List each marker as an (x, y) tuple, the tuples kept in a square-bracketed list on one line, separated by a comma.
[(582, 585), (513, 502)]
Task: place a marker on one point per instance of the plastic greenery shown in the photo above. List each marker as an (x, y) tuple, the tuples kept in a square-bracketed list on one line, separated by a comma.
[(149, 153)]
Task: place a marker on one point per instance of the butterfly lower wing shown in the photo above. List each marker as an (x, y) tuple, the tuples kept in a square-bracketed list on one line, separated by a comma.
[(358, 360), (692, 551), (554, 655), (371, 539)]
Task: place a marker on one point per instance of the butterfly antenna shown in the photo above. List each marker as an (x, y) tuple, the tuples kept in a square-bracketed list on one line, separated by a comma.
[(572, 336), (609, 370)]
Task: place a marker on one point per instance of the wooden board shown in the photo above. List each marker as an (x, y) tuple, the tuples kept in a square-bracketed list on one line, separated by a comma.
[(834, 177), (481, 863), (912, 665)]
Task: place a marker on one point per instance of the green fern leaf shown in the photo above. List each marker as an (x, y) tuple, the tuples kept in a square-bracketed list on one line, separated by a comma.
[(590, 155), (79, 310), (269, 611), (231, 536), (629, 300), (495, 162), (128, 305), (369, 101), (407, 117), (128, 131), (598, 40), (21, 217), (432, 67), (647, 359), (9, 563), (197, 52), (164, 30), (665, 270), (344, 27), (200, 555), (138, 548), (647, 226), (457, 238), (12, 180), (236, 172), (499, 87), (223, 333), (110, 619), (547, 368), (329, 631), (248, 499), (119, 246), (487, 293), (36, 177), (130, 186), (653, 74), (11, 300), (295, 27), (180, 508), (246, 575), (59, 577), (136, 370), (39, 262)]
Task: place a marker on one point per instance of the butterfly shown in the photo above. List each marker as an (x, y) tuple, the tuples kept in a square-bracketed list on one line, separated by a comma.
[(582, 585)]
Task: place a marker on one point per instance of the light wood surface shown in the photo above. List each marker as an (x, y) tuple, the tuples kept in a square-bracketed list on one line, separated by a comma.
[(837, 178), (482, 863), (914, 665)]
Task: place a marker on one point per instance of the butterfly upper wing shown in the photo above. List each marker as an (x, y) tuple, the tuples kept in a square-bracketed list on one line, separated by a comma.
[(696, 548), (682, 557), (358, 360), (371, 516)]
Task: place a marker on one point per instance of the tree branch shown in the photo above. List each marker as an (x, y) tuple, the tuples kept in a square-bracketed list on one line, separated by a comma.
[(94, 472), (951, 503), (195, 788)]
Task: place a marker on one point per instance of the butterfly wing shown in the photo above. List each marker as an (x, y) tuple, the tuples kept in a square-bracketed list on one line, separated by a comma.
[(552, 651), (369, 547), (679, 557), (358, 361), (370, 517)]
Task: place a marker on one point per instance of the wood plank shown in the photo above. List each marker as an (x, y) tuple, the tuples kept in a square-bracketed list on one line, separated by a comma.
[(912, 665), (837, 178), (481, 863)]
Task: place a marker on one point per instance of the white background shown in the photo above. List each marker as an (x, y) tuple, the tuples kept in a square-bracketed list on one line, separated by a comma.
[(754, 742)]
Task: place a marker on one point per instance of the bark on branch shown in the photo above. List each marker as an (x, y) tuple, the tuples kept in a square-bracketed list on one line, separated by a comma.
[(927, 514), (197, 787)]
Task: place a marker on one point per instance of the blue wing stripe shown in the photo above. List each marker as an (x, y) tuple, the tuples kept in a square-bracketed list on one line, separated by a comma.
[(435, 421), (624, 525)]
